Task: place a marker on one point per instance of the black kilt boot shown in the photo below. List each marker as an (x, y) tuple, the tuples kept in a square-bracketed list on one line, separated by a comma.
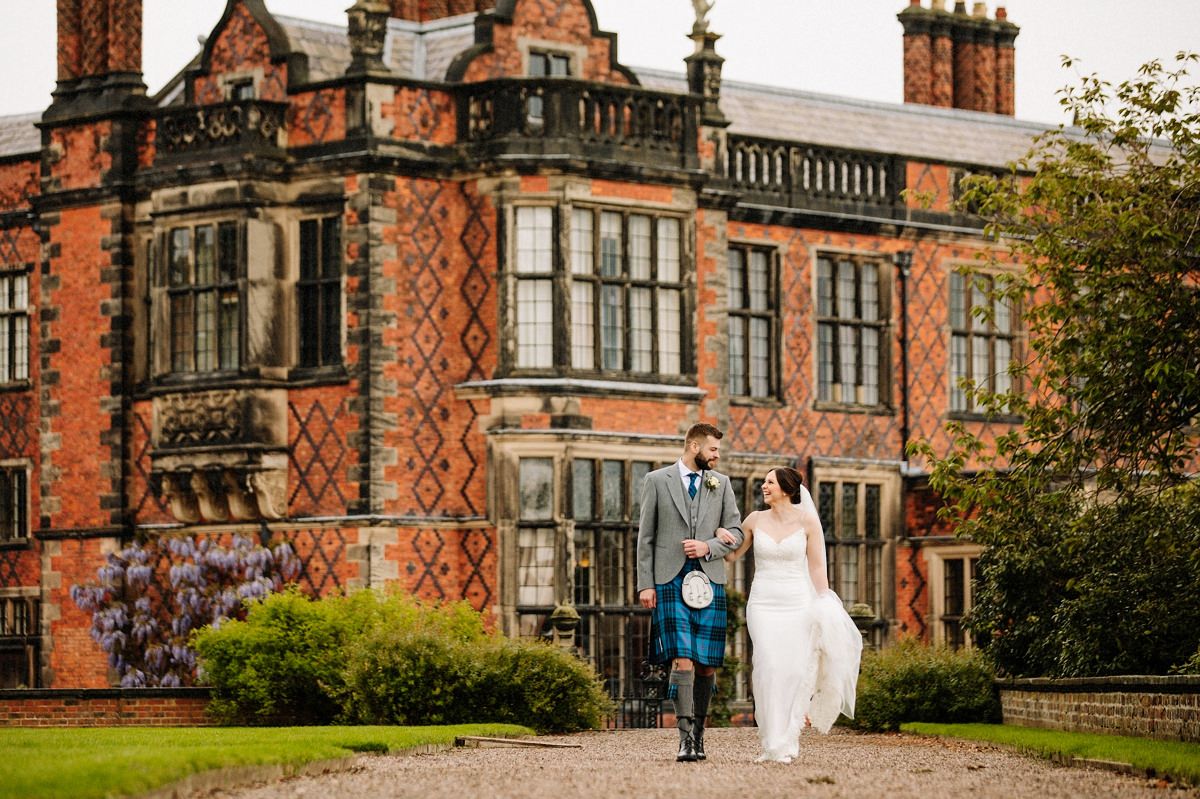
[(702, 693), (684, 713)]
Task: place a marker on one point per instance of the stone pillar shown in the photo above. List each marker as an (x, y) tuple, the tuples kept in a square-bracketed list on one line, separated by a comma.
[(367, 33)]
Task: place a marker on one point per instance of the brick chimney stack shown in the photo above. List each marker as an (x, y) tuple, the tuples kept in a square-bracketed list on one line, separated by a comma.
[(426, 10), (956, 59), (99, 55)]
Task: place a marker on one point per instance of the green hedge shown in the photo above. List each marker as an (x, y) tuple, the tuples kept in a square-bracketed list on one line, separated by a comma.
[(389, 660), (910, 681)]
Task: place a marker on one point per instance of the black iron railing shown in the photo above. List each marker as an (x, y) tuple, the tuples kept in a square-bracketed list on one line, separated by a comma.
[(245, 126), (537, 116), (792, 174)]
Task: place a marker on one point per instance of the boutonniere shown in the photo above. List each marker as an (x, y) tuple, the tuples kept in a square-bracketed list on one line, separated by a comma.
[(711, 482)]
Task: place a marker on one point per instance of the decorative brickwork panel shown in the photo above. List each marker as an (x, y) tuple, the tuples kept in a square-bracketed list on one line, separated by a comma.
[(20, 568), (324, 553), (645, 417), (565, 21), (241, 46), (929, 186), (147, 138), (319, 427), (912, 592), (147, 507), (423, 115), (447, 564), (443, 302), (135, 707), (317, 118)]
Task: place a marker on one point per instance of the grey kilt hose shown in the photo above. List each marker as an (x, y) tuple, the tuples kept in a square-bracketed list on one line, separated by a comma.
[(678, 631)]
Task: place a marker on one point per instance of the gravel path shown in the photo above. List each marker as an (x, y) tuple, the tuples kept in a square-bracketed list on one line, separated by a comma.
[(641, 763)]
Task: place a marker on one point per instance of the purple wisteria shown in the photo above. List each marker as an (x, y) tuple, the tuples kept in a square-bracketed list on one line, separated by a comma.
[(145, 624)]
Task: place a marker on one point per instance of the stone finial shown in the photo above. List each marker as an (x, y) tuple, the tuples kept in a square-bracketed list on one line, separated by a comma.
[(702, 8), (367, 33)]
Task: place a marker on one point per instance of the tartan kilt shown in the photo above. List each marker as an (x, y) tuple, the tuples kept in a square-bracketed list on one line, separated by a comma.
[(678, 631)]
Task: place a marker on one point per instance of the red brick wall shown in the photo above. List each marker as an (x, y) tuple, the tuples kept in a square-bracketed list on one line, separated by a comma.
[(316, 117), (423, 115), (144, 707), (447, 564), (74, 659), (320, 456)]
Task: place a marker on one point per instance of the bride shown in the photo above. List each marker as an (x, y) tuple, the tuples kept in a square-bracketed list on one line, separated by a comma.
[(806, 648)]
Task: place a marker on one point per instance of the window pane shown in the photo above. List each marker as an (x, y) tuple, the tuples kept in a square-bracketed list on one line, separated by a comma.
[(205, 255), (6, 292), (958, 302), (331, 247), (180, 246), (826, 493), (20, 347), (581, 242), (978, 300), (310, 319), (585, 567), (535, 324), (870, 293), (871, 511), (670, 332), (7, 367), (638, 472), (824, 287), (181, 332), (980, 368), (849, 511), (583, 327), (846, 290), (737, 289), (825, 362), (331, 320), (1003, 359), (539, 65), (612, 568), (536, 476), (639, 247), (610, 244), (229, 330), (613, 486), (848, 573), (206, 331), (759, 281), (612, 328), (668, 250), (227, 252), (535, 566), (641, 334), (1003, 316), (560, 66), (870, 376), (535, 238), (958, 370), (582, 486), (848, 363), (309, 250), (760, 358), (954, 587), (737, 355)]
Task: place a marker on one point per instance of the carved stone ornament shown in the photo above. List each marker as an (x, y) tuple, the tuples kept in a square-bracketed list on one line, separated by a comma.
[(220, 494), (367, 31), (702, 7), (198, 419)]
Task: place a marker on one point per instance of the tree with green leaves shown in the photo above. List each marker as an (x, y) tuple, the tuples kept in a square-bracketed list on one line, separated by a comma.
[(1088, 509)]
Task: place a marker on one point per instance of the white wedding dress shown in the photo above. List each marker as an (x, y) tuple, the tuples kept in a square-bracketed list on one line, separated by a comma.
[(806, 647)]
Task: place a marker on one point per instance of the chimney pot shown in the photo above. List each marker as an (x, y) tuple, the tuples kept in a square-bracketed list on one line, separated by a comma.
[(914, 2), (938, 5), (960, 7), (980, 10), (1001, 13)]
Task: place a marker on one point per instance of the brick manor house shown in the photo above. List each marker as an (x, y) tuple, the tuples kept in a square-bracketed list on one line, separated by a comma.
[(428, 294)]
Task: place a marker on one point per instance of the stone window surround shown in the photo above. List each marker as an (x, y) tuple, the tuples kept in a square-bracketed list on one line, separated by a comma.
[(1018, 337), (25, 467), (775, 253), (935, 559)]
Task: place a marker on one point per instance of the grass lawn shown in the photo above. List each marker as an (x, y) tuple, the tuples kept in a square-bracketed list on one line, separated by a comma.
[(1174, 759), (122, 761)]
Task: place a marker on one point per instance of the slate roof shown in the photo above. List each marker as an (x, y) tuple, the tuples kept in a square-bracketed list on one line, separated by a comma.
[(916, 131), (18, 134)]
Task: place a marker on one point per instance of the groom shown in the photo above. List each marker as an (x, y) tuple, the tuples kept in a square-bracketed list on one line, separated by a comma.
[(682, 506)]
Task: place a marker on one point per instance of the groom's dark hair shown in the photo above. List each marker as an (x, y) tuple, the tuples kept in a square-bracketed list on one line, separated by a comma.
[(790, 481), (702, 431)]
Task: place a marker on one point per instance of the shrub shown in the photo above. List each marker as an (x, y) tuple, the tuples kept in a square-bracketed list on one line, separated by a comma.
[(390, 660), (147, 599), (910, 681)]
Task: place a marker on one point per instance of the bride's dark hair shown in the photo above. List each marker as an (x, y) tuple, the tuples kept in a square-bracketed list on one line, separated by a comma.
[(790, 481)]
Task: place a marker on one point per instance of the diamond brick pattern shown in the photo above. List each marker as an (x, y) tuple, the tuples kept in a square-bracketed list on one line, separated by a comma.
[(917, 602), (10, 577), (317, 453), (321, 552), (477, 550), (147, 506), (17, 426), (427, 571)]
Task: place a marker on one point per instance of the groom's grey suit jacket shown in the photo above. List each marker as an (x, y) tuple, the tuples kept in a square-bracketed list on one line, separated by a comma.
[(667, 519)]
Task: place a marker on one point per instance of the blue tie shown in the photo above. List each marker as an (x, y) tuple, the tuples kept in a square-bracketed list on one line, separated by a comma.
[(692, 484)]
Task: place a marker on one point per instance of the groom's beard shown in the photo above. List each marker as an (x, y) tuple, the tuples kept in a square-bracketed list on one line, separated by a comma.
[(702, 462)]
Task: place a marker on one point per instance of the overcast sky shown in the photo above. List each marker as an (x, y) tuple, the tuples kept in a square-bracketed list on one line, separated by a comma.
[(845, 47)]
